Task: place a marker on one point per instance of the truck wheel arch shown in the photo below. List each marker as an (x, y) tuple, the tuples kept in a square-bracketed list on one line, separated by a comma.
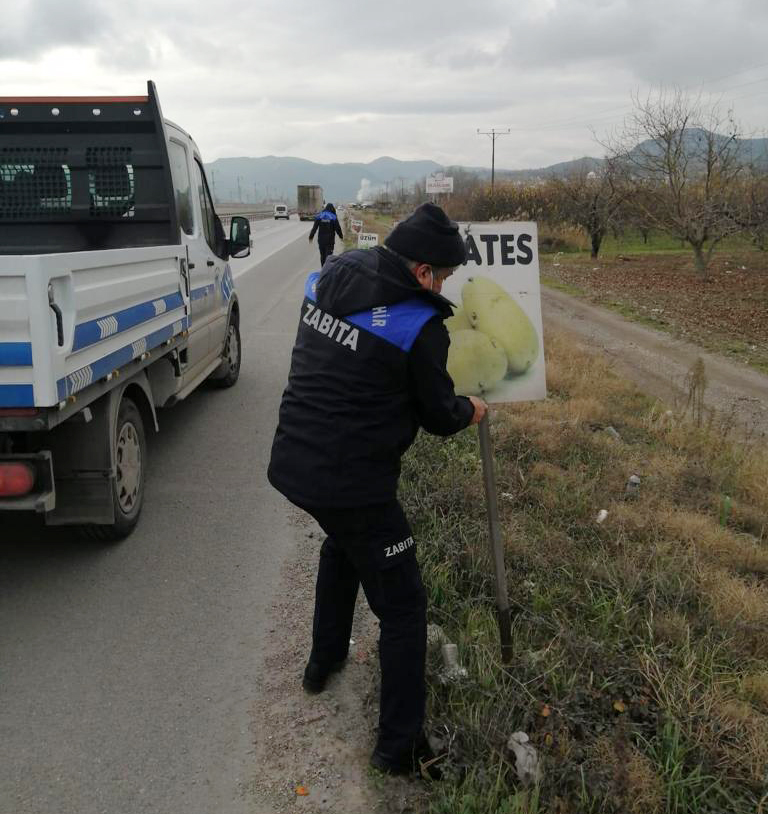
[(140, 392)]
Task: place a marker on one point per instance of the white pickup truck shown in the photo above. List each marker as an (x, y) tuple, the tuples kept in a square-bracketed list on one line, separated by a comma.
[(116, 298)]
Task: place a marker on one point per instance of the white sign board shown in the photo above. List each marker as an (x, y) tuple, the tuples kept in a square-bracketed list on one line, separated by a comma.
[(437, 184), (367, 240), (497, 348), (356, 225)]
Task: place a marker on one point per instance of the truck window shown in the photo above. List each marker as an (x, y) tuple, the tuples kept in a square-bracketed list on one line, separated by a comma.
[(214, 233), (177, 154)]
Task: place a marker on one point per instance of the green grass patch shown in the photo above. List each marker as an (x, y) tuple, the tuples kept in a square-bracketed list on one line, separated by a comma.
[(640, 649)]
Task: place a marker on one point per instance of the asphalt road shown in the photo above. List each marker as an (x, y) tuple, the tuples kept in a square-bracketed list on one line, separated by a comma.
[(127, 671)]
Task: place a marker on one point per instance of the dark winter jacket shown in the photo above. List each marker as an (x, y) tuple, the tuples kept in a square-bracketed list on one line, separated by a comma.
[(327, 226), (368, 369)]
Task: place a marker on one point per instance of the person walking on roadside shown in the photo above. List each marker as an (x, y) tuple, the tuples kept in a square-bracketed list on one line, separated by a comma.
[(327, 227), (368, 370)]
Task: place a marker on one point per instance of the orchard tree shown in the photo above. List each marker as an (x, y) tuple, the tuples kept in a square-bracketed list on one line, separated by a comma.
[(592, 200), (683, 162), (754, 212)]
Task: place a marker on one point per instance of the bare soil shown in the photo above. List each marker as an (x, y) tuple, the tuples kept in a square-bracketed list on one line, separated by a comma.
[(727, 312), (660, 363)]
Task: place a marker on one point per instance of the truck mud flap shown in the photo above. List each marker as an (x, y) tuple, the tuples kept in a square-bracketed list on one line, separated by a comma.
[(83, 466)]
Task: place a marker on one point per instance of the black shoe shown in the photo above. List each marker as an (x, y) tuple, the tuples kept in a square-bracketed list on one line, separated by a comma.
[(420, 761), (316, 676)]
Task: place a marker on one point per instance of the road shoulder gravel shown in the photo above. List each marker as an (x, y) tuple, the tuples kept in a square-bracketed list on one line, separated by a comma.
[(320, 743)]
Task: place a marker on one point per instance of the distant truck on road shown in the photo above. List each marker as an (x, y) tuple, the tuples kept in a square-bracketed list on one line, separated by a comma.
[(310, 200), (116, 298)]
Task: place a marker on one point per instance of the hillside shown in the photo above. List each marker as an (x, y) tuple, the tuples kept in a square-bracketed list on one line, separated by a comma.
[(276, 177)]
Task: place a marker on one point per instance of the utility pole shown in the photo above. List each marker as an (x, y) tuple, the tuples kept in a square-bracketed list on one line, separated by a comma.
[(493, 135), (213, 185), (239, 190)]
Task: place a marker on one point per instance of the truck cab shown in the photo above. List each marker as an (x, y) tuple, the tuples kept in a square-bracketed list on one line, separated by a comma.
[(116, 297)]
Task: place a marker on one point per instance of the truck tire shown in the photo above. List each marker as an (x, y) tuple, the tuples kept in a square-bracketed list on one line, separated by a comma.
[(229, 371), (130, 455)]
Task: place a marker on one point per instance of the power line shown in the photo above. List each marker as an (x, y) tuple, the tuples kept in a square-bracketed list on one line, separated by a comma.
[(493, 134)]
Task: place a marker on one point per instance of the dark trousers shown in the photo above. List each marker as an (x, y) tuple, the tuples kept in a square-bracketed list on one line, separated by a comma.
[(326, 250), (373, 546)]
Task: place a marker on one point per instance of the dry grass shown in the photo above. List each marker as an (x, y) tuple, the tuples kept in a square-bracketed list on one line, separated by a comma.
[(755, 688), (646, 634), (637, 787), (715, 543)]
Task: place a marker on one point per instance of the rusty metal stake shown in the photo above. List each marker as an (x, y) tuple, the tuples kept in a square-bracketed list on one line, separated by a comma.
[(497, 543)]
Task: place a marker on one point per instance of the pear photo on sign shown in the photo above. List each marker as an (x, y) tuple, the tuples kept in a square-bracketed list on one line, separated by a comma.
[(496, 347)]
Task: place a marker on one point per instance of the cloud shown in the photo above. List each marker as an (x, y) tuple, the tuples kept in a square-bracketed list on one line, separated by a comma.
[(36, 26), (350, 81)]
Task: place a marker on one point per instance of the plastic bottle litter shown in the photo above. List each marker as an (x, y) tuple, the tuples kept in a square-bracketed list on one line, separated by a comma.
[(435, 636), (633, 486), (601, 515), (526, 758), (452, 670)]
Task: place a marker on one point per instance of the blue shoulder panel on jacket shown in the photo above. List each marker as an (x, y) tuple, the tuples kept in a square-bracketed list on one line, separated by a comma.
[(397, 324), (325, 216), (311, 285)]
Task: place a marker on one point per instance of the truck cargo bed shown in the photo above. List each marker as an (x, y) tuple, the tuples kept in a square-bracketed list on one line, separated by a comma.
[(69, 320)]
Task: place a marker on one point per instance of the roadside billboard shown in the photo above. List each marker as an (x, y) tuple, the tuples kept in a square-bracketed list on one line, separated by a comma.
[(355, 225), (438, 184), (497, 348)]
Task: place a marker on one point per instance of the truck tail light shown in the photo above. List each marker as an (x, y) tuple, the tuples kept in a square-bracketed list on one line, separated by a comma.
[(16, 479)]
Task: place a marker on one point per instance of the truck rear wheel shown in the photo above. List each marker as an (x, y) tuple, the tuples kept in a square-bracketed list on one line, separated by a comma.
[(130, 456)]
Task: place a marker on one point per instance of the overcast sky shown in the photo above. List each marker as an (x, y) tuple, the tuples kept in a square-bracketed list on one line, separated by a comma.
[(414, 79)]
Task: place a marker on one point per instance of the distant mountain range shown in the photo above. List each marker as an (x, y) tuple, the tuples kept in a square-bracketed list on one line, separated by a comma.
[(275, 178)]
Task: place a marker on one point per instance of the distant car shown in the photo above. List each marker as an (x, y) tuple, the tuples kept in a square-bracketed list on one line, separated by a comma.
[(281, 211)]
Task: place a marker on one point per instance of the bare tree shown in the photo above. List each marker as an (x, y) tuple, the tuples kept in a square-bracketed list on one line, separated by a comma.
[(754, 212), (592, 200), (684, 164)]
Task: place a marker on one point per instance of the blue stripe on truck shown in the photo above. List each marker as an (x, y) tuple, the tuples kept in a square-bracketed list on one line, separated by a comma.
[(80, 379), (17, 395), (15, 354), (95, 330)]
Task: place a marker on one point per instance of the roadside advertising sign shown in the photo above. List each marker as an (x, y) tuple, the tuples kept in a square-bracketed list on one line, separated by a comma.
[(367, 240), (356, 225), (439, 183), (497, 352), (497, 349)]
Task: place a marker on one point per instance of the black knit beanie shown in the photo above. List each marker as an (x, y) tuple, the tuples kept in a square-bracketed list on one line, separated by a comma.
[(428, 236)]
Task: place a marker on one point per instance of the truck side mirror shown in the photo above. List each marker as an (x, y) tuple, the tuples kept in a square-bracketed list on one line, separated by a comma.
[(239, 236)]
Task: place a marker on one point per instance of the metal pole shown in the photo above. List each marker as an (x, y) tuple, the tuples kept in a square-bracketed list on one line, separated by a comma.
[(493, 159), (493, 135), (496, 540)]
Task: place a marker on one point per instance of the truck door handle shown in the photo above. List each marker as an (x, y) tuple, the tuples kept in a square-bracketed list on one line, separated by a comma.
[(210, 263), (191, 265), (59, 318)]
